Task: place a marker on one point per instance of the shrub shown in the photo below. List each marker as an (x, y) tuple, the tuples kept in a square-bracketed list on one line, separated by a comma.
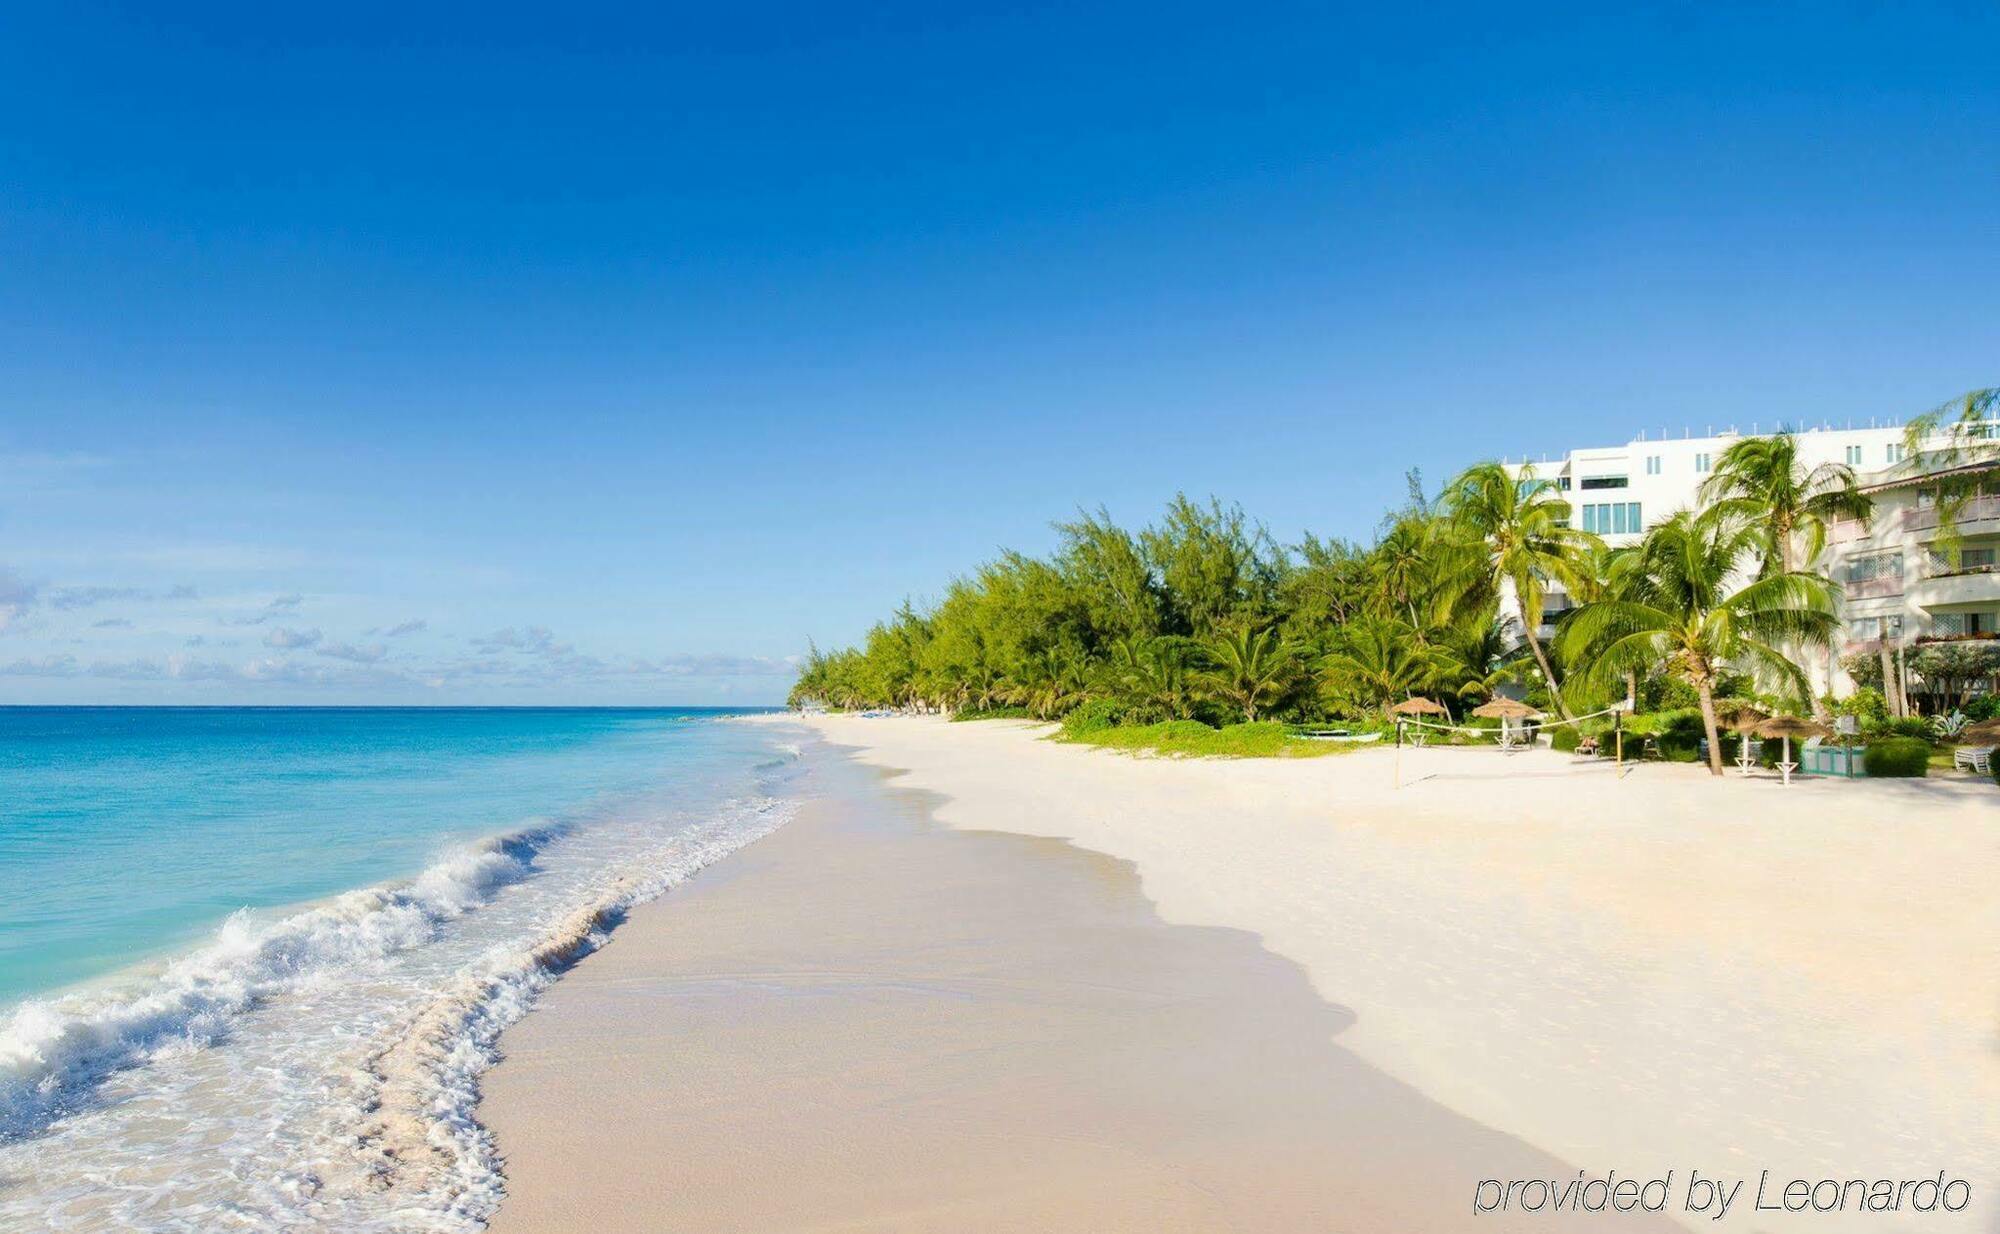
[(1676, 734), (1897, 756), (1907, 726), (1098, 713), (1564, 739), (1866, 704), (1981, 708), (993, 713)]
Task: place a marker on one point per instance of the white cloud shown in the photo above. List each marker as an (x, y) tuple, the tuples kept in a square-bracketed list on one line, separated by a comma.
[(367, 654), (16, 597), (111, 623), (67, 599), (47, 666), (287, 639), (414, 626), (535, 641)]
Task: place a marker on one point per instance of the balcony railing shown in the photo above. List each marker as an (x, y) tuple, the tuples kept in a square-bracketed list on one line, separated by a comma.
[(1944, 569), (1923, 518), (1874, 588)]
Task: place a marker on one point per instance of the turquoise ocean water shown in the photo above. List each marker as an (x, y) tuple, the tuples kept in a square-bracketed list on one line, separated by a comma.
[(238, 946)]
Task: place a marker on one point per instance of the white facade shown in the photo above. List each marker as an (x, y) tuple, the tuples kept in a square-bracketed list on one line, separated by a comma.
[(1892, 571), (1652, 479)]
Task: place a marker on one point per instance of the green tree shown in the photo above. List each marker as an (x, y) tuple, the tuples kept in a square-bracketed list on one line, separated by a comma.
[(1676, 605), (1247, 668), (1515, 532), (1377, 663), (1763, 482)]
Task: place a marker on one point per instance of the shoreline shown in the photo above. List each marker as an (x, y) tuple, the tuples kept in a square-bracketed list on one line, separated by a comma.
[(1659, 973), (873, 1021)]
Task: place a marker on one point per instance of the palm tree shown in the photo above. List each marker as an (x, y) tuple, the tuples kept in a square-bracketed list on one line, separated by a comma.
[(1673, 605), (1761, 480), (1473, 658), (1049, 683), (1518, 530), (1379, 662), (1247, 668), (1154, 672)]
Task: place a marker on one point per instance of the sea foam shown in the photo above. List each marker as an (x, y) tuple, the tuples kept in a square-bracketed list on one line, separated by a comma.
[(54, 1052)]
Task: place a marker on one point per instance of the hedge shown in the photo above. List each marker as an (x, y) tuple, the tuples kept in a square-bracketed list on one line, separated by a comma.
[(1897, 756)]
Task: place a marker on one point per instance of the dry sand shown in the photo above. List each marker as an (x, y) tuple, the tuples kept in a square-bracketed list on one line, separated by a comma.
[(871, 1022), (1648, 973)]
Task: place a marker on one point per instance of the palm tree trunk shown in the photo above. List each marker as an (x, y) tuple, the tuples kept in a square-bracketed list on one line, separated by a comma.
[(1542, 661), (1890, 694), (1707, 694)]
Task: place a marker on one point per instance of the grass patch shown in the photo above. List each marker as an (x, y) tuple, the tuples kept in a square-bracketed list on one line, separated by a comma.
[(1193, 739)]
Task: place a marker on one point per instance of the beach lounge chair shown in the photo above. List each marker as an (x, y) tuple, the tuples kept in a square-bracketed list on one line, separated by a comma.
[(1974, 758)]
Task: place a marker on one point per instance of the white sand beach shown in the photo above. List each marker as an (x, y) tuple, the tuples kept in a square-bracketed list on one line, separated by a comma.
[(1273, 995), (1641, 974)]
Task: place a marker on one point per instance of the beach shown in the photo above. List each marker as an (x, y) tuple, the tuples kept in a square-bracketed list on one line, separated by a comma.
[(1507, 967)]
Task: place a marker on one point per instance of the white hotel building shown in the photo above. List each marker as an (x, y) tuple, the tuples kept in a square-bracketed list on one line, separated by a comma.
[(1892, 576)]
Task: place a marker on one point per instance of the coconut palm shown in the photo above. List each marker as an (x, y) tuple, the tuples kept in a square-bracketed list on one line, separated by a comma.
[(1955, 448), (1378, 663), (1474, 659), (1154, 672), (1762, 481), (1247, 668), (1675, 603), (1514, 530), (1049, 682)]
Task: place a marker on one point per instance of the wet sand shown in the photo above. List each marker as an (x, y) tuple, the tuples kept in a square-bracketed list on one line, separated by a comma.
[(871, 1022)]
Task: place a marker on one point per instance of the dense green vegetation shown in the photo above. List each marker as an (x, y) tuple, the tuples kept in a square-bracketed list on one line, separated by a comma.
[(1192, 738), (1202, 633), (1897, 756)]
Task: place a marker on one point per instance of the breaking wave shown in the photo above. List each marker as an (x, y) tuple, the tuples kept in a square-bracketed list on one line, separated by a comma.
[(417, 1135), (54, 1053)]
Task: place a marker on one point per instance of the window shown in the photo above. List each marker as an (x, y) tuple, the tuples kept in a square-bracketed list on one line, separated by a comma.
[(1562, 484), (1613, 518), (1970, 561), (1605, 482), (1877, 565), (1894, 452), (1854, 456), (1652, 464), (1958, 625), (1866, 628), (1702, 462)]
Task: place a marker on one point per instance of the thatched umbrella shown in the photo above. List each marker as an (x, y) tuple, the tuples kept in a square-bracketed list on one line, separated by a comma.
[(1418, 706), (1506, 710), (1789, 727), (1743, 718)]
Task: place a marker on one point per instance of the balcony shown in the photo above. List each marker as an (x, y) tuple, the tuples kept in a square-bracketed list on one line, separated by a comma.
[(1874, 588), (1847, 531), (1925, 518), (1980, 585)]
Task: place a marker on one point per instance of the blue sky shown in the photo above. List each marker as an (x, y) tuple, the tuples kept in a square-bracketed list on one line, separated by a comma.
[(498, 353)]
